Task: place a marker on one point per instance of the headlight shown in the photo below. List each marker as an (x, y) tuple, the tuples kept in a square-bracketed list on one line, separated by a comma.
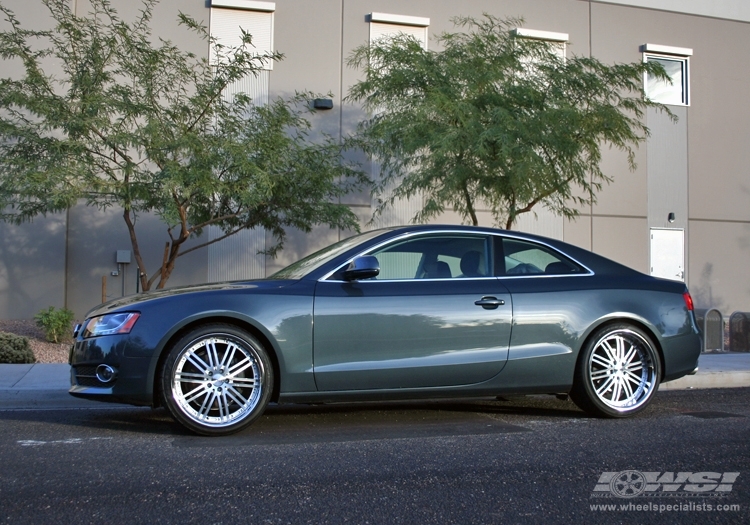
[(110, 324)]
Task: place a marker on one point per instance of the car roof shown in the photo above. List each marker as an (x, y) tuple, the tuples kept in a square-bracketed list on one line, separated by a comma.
[(597, 263)]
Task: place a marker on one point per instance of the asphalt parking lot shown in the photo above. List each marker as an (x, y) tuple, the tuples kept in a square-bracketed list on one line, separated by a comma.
[(527, 459)]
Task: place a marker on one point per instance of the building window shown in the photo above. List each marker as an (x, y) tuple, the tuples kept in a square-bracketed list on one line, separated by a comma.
[(558, 41), (676, 62), (387, 25), (228, 16)]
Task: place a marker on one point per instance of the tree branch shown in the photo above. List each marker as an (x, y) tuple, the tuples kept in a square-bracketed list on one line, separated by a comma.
[(238, 229)]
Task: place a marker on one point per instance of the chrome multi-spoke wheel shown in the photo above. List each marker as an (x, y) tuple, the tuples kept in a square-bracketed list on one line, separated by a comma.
[(621, 369), (618, 372), (217, 380)]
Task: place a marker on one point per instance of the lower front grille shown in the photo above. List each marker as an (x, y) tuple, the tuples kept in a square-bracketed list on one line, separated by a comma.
[(86, 376)]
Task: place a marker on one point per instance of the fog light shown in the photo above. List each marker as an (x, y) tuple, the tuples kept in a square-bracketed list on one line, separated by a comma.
[(105, 373)]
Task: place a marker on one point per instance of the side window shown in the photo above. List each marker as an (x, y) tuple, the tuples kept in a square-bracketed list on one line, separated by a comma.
[(447, 256), (528, 258), (398, 263)]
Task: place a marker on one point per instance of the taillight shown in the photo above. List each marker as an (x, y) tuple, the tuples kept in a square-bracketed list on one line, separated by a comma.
[(688, 301)]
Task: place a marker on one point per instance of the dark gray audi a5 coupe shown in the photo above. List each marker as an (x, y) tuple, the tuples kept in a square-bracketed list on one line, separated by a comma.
[(398, 313)]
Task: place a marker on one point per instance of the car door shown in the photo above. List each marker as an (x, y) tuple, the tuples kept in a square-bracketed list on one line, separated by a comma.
[(434, 316), (551, 296)]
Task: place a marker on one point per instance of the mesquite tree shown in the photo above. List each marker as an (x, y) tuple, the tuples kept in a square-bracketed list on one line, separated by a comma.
[(107, 114), (496, 120)]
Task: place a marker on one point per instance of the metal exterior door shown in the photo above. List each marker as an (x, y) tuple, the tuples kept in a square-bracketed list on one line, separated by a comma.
[(668, 253)]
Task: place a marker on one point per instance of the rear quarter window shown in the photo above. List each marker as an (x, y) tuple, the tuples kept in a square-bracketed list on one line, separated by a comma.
[(522, 257)]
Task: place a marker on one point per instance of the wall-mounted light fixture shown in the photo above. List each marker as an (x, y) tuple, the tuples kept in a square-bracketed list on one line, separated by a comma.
[(323, 103), (670, 217)]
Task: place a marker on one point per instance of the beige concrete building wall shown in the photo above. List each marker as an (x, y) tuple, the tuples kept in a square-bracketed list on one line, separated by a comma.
[(718, 129), (618, 239), (32, 255), (317, 37), (719, 122), (718, 259), (96, 235), (32, 266), (60, 260)]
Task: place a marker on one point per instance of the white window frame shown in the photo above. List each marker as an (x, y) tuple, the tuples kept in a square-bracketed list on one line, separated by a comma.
[(263, 17), (249, 5), (675, 54), (561, 39), (390, 24)]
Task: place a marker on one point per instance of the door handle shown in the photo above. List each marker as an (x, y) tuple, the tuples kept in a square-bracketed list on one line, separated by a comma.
[(489, 302)]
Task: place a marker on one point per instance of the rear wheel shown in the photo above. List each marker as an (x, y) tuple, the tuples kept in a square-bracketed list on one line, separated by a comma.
[(217, 380), (617, 373)]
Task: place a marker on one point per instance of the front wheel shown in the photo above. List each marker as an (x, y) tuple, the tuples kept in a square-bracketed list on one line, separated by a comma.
[(217, 380), (617, 373)]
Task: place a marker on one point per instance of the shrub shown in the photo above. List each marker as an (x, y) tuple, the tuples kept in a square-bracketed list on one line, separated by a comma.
[(56, 323), (15, 349)]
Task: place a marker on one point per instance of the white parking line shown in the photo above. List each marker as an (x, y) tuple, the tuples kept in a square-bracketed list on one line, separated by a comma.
[(69, 441)]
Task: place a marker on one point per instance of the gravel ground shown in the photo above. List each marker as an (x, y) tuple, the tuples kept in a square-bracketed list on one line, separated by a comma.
[(44, 351)]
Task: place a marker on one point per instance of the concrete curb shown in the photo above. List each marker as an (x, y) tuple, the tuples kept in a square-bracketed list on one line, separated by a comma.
[(39, 387), (35, 377), (716, 371)]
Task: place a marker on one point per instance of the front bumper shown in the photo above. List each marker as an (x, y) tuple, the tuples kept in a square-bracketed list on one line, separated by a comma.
[(131, 384)]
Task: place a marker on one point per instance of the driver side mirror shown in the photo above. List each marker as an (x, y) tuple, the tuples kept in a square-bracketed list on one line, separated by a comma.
[(362, 267)]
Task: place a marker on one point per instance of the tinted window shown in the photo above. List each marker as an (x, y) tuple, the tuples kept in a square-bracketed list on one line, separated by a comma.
[(528, 258), (448, 256)]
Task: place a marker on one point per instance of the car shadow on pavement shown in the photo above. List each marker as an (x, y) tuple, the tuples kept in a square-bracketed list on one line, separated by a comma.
[(326, 422)]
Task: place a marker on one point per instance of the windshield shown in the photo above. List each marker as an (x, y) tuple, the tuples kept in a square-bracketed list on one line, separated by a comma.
[(313, 261)]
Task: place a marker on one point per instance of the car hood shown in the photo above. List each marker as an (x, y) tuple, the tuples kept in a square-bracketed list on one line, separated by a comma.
[(131, 301)]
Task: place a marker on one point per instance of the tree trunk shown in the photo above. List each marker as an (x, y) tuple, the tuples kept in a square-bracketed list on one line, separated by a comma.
[(470, 206), (142, 275)]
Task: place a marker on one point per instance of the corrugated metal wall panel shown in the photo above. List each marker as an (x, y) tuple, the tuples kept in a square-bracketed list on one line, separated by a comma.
[(667, 159), (667, 168), (254, 85), (236, 257), (402, 211), (540, 220), (544, 223)]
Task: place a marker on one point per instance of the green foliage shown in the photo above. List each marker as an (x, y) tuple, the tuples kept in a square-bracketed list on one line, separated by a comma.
[(56, 323), (495, 119), (122, 119), (15, 349)]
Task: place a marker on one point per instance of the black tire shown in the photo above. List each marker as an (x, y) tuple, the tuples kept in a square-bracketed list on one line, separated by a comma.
[(217, 380), (617, 373)]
